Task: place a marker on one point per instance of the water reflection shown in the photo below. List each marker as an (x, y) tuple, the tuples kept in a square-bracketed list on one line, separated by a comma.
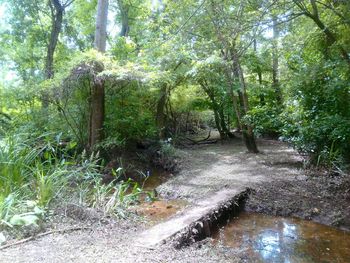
[(262, 238)]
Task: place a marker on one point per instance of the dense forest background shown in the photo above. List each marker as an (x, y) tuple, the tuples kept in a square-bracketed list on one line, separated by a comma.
[(82, 79)]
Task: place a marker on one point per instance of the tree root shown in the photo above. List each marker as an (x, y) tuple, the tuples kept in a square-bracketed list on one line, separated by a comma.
[(202, 141), (43, 234)]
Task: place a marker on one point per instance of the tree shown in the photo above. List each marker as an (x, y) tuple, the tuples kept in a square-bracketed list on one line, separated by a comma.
[(97, 103), (57, 9), (275, 61), (124, 15), (313, 13), (228, 36), (209, 73)]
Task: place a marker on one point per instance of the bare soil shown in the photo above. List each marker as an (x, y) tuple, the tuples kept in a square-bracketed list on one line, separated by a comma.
[(281, 186)]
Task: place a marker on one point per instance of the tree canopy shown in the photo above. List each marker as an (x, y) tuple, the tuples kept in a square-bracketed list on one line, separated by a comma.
[(263, 67)]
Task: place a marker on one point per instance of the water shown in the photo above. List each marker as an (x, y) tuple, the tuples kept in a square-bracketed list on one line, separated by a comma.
[(261, 238), (159, 210), (154, 178)]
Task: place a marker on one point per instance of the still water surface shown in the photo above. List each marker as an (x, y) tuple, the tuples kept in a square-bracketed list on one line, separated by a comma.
[(262, 238)]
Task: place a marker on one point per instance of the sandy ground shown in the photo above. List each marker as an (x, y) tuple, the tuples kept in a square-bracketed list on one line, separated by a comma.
[(205, 170)]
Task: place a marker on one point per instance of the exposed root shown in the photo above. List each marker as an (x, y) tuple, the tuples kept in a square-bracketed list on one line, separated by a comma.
[(202, 141)]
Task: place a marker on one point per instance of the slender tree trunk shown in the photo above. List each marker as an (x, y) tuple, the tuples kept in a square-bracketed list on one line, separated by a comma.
[(222, 121), (227, 133), (234, 99), (260, 79), (57, 17), (160, 115), (97, 102), (218, 123), (57, 10), (124, 13), (248, 134), (101, 26), (275, 62), (97, 114)]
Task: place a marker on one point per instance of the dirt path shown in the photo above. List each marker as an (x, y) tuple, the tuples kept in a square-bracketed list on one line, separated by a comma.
[(208, 169), (205, 171)]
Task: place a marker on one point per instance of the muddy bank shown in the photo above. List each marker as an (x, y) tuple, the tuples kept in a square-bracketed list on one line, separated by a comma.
[(318, 197)]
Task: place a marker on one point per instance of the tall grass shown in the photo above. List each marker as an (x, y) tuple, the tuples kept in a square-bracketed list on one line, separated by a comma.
[(30, 171), (36, 171)]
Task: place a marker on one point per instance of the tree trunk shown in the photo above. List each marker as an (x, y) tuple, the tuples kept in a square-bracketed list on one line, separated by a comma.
[(161, 116), (275, 62), (96, 113), (248, 134), (234, 100), (124, 13), (97, 102), (101, 25), (218, 123), (57, 18), (260, 79), (227, 133), (222, 121), (57, 10)]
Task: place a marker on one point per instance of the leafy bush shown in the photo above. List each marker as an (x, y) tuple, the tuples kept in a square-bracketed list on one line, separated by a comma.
[(317, 119), (36, 173), (266, 120)]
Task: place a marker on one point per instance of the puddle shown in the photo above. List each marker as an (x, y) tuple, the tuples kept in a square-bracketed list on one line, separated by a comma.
[(155, 177), (159, 211), (262, 238)]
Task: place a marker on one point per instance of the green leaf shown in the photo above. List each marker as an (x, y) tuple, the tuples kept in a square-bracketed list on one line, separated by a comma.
[(24, 220)]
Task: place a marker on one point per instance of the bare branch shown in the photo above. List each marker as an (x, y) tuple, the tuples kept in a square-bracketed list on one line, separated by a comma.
[(68, 3)]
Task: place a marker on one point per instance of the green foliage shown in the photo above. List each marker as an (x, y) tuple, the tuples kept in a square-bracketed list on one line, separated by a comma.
[(325, 138), (266, 120), (122, 48), (186, 46), (167, 151), (34, 171), (317, 120), (129, 116), (115, 197)]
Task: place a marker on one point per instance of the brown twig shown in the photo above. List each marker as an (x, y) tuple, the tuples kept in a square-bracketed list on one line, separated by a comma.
[(43, 234)]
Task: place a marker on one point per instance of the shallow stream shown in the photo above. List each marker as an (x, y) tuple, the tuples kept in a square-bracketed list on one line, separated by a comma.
[(263, 238)]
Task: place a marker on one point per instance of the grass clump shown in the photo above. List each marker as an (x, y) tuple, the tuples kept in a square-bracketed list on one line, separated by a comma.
[(37, 174)]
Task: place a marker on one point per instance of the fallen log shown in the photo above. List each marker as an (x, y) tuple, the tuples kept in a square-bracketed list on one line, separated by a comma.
[(206, 139)]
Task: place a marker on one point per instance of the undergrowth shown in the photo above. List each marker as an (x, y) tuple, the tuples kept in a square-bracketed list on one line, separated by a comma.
[(37, 174)]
